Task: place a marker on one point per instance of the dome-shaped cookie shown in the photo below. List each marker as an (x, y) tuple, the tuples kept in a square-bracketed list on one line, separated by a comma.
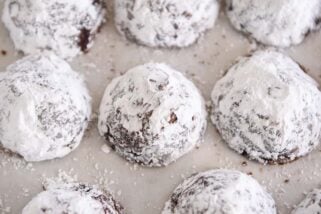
[(310, 205), (267, 108), (73, 198), (44, 109), (165, 23), (65, 27), (152, 115), (275, 22), (220, 191)]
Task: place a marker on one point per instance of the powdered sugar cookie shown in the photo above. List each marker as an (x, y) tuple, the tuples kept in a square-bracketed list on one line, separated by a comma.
[(275, 22), (220, 191), (165, 23), (310, 205), (152, 115), (44, 109), (267, 108), (73, 198), (65, 27)]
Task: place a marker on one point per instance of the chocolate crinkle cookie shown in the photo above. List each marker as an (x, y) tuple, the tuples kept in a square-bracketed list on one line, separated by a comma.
[(275, 22), (73, 198), (165, 23), (310, 205), (65, 27), (267, 108), (152, 115), (44, 109), (220, 191)]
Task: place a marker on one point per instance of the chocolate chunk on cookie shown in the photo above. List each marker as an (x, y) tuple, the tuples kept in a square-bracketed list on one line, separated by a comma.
[(64, 27)]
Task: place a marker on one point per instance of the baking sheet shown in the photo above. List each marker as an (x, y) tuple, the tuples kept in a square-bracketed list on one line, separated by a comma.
[(145, 190)]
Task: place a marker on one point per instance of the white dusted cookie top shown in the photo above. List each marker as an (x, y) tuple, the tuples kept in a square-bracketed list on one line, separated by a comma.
[(152, 115), (220, 191), (73, 198), (275, 22), (267, 108), (44, 109), (65, 27), (310, 205), (165, 23)]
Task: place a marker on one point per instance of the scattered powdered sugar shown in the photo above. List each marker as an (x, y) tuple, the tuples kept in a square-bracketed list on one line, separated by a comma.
[(275, 22), (220, 191), (45, 107), (152, 115), (61, 178), (65, 27), (106, 149), (267, 108), (12, 160), (165, 23), (4, 209)]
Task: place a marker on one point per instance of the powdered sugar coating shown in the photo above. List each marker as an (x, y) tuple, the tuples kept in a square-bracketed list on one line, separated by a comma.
[(221, 192), (65, 27), (275, 22), (267, 108), (73, 198), (152, 115), (45, 108), (310, 205), (165, 23)]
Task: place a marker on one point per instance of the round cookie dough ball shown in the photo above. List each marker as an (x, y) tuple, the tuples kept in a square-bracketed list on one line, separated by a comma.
[(275, 22), (44, 109), (267, 108), (310, 205), (165, 23), (152, 115), (65, 27), (73, 198), (220, 191)]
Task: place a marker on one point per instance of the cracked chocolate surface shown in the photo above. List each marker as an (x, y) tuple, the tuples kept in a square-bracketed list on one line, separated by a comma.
[(45, 107), (73, 198), (64, 27), (220, 191), (267, 108), (165, 23), (275, 22), (152, 115)]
